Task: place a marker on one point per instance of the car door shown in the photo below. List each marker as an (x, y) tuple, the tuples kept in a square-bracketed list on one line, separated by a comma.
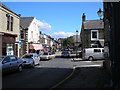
[(97, 53), (14, 62), (6, 64)]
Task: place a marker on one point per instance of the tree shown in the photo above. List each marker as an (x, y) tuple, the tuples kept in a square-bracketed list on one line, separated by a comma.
[(68, 42)]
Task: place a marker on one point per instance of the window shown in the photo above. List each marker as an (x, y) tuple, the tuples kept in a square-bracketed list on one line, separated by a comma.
[(97, 50), (22, 34), (94, 34), (7, 59), (94, 45), (13, 58), (102, 50), (8, 22), (11, 23)]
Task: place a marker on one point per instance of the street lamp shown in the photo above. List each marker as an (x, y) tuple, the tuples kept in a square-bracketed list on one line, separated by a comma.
[(76, 41), (100, 13)]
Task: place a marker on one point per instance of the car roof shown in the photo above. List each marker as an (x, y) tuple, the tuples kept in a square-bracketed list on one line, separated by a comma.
[(30, 53)]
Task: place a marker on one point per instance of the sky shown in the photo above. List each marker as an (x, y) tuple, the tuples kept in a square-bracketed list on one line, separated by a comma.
[(57, 19)]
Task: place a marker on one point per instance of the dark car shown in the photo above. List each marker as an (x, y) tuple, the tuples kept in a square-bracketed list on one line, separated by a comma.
[(11, 63), (65, 54)]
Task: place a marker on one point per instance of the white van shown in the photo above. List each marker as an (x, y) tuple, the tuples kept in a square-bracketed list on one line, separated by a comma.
[(93, 53)]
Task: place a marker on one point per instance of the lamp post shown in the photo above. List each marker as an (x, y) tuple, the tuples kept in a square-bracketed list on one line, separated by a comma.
[(76, 41), (100, 13)]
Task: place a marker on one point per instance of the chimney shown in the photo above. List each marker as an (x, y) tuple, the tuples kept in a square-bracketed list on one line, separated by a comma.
[(83, 17)]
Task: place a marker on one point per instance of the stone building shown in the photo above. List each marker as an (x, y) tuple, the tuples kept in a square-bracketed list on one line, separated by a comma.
[(9, 31)]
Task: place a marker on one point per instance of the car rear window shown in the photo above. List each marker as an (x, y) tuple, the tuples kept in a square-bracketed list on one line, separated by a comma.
[(27, 56)]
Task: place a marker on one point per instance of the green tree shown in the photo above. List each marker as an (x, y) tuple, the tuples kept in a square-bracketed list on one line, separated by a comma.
[(67, 42)]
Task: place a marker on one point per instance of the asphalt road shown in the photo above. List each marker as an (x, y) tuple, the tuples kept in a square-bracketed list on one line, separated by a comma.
[(46, 75)]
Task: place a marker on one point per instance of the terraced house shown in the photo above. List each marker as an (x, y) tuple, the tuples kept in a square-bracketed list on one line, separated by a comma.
[(9, 31)]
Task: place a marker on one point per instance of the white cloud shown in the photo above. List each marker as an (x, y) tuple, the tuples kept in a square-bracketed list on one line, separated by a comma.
[(62, 34), (43, 26)]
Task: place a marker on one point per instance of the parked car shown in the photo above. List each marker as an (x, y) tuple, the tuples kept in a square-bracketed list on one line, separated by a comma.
[(31, 59), (93, 53), (65, 54), (11, 63), (47, 56)]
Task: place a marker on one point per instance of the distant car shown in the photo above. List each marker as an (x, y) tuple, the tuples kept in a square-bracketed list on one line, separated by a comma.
[(65, 54), (31, 59), (11, 63), (93, 53), (47, 56)]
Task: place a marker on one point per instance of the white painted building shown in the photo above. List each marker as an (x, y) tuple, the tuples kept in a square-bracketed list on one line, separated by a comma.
[(29, 24)]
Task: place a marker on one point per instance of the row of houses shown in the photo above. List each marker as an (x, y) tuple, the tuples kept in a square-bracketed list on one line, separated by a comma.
[(20, 35)]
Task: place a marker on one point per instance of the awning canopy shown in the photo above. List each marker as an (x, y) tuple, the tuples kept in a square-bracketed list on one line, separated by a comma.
[(35, 46)]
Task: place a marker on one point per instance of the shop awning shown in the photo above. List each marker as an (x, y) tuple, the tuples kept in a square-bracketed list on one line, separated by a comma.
[(35, 46)]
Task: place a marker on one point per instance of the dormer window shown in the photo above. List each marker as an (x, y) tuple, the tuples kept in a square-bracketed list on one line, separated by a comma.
[(94, 34)]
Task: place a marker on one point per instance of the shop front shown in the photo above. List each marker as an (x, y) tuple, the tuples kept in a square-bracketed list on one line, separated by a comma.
[(8, 44)]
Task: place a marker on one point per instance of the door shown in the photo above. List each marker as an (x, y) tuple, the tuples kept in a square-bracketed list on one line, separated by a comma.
[(14, 62), (6, 64)]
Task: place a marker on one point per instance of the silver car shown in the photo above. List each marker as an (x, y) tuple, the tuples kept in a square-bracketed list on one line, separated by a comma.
[(31, 59), (47, 56), (11, 63)]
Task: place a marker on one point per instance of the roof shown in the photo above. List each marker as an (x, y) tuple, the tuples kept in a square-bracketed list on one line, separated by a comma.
[(25, 21), (93, 24), (5, 7)]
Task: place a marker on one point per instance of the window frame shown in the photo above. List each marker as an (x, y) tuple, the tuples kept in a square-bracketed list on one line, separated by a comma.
[(92, 35)]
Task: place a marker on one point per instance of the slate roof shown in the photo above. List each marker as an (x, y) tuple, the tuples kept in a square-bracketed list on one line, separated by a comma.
[(93, 24), (25, 21), (5, 7)]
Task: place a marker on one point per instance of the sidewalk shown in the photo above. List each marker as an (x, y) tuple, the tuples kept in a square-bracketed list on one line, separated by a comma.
[(89, 77)]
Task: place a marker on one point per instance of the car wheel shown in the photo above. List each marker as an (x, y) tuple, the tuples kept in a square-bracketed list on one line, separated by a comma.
[(20, 68), (33, 65), (90, 58)]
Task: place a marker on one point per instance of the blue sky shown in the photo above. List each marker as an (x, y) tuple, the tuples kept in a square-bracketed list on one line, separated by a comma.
[(60, 19)]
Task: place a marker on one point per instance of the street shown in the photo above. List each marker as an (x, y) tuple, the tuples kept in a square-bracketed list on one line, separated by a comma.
[(47, 74)]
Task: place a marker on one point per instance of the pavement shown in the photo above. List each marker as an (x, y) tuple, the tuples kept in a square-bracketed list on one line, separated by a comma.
[(89, 77)]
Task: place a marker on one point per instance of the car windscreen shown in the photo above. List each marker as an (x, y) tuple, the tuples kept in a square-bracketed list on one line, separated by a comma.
[(45, 53), (27, 56)]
